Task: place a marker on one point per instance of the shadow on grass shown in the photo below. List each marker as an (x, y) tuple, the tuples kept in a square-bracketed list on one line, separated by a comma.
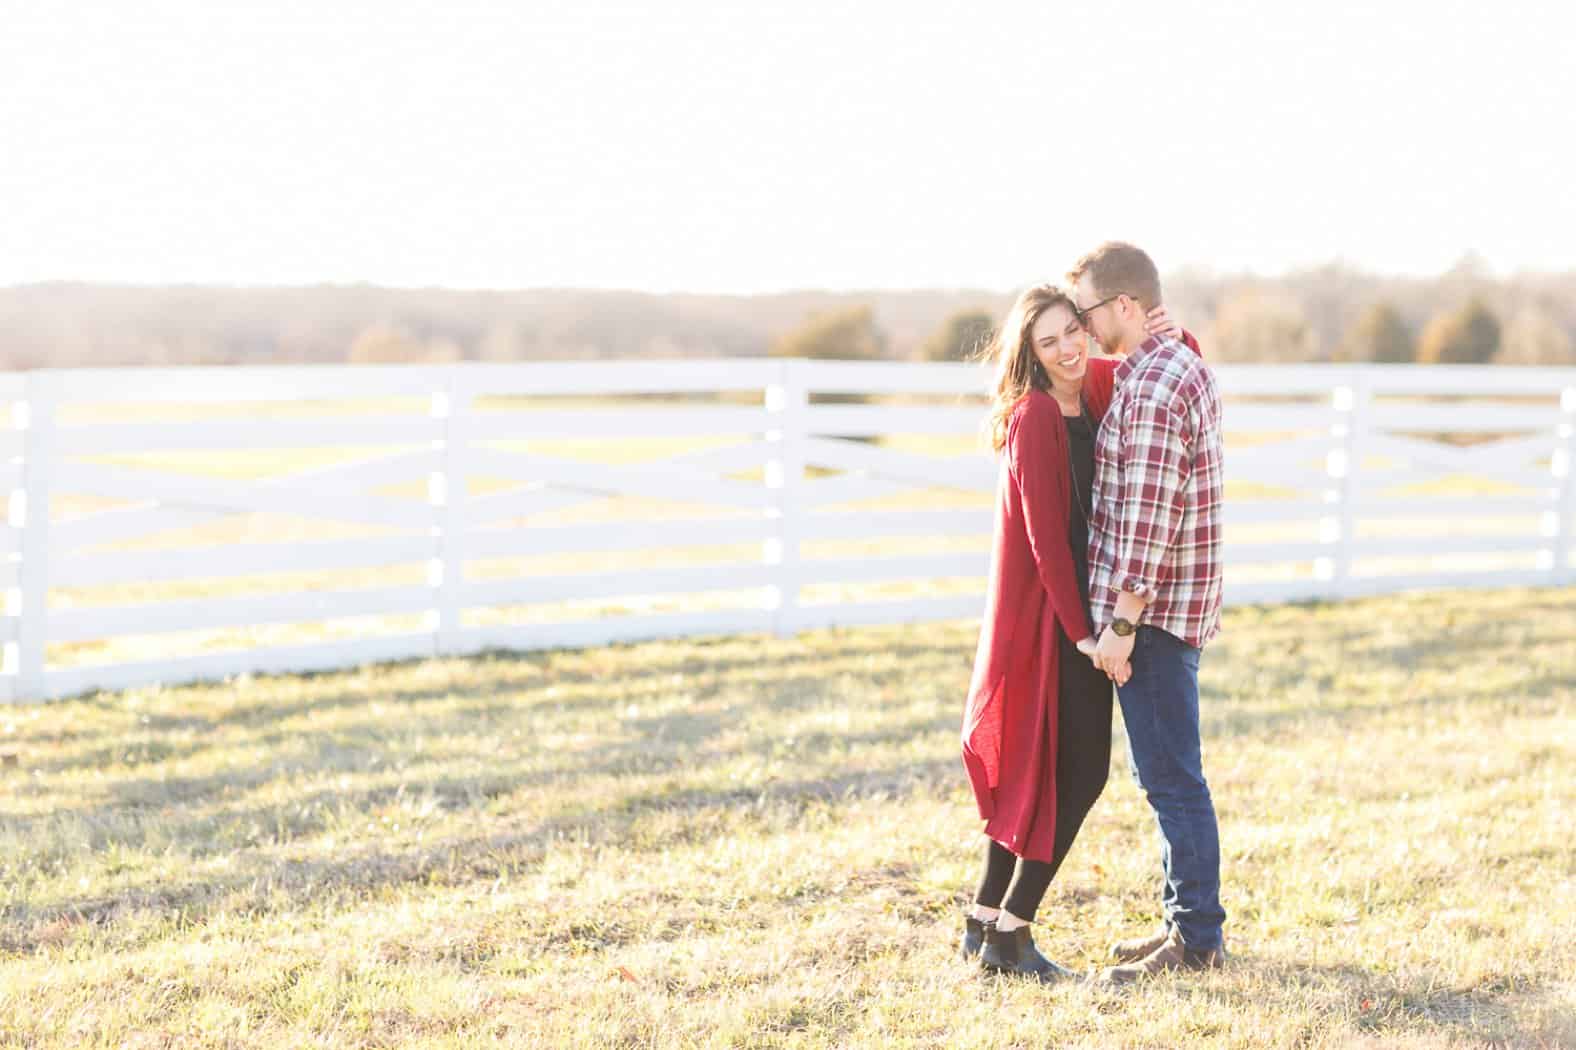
[(1219, 719), (258, 883), (1366, 1002), (652, 745), (795, 688), (133, 818)]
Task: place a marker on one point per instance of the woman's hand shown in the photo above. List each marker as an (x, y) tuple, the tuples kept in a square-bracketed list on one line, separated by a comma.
[(1160, 323), (1089, 647)]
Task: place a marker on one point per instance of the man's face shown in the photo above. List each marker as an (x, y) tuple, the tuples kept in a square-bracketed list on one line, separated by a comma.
[(1099, 321)]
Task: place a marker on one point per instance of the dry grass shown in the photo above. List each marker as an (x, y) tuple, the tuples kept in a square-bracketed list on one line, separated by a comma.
[(759, 842)]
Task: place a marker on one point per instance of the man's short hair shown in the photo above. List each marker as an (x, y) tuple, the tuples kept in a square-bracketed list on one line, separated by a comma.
[(1119, 268)]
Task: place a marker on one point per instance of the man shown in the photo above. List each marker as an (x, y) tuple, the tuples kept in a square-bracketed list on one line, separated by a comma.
[(1154, 588)]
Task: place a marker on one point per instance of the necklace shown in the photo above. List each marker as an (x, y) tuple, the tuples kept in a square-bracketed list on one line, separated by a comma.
[(1085, 502)]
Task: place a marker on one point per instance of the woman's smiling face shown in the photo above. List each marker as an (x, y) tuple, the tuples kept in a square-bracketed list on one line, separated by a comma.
[(1061, 345)]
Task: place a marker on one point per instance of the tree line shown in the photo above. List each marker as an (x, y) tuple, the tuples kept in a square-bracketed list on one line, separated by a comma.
[(1330, 313)]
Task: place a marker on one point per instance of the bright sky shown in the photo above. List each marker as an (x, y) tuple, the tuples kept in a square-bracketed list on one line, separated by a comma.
[(743, 147)]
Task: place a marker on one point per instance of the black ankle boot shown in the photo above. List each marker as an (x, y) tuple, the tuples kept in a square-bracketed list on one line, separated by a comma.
[(1014, 952), (974, 935)]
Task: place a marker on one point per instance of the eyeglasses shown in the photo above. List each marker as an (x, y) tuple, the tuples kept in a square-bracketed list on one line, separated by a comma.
[(1083, 315)]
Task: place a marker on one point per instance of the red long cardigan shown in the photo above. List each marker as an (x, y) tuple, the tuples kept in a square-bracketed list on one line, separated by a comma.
[(1009, 723)]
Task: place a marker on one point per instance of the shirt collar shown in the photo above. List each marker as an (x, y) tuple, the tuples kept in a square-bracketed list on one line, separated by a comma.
[(1130, 362)]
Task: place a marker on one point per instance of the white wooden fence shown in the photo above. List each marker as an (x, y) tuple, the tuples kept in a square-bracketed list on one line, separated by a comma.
[(545, 505)]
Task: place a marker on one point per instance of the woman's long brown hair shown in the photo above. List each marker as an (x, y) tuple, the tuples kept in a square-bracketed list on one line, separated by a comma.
[(1012, 349)]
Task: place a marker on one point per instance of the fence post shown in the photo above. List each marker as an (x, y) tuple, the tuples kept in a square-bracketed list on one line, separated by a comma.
[(38, 458), (787, 400), (1356, 404), (1563, 465), (452, 404)]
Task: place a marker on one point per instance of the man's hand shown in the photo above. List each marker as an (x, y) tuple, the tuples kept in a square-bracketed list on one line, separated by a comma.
[(1089, 647), (1113, 653)]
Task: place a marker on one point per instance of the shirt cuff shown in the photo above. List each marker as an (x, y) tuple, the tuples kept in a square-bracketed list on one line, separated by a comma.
[(1137, 586)]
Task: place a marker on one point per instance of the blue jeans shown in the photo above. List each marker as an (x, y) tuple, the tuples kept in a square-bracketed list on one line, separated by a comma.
[(1160, 711)]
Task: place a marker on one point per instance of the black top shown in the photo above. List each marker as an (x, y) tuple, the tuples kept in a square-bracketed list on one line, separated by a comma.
[(1080, 456)]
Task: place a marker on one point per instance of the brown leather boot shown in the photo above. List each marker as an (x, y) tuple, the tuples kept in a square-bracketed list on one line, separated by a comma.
[(1135, 948), (1171, 955)]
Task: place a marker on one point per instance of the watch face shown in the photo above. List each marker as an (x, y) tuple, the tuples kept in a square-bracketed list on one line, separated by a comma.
[(1122, 628)]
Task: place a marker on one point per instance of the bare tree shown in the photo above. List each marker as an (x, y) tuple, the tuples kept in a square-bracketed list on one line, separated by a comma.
[(843, 334), (1261, 326), (1535, 338), (1379, 335)]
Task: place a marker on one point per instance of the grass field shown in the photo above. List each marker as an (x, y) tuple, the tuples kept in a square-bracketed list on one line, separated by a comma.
[(762, 842)]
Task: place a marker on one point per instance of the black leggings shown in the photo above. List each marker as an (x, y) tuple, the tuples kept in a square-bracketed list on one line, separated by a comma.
[(1083, 761)]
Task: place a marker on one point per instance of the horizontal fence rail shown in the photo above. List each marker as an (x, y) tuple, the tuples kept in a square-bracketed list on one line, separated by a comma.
[(167, 525)]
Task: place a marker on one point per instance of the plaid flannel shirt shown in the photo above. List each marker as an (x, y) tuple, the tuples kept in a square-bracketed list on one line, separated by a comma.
[(1156, 527)]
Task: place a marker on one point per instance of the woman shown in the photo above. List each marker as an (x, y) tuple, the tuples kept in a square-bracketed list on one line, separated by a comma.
[(1034, 686)]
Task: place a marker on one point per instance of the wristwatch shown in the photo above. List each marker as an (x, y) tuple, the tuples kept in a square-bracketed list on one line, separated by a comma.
[(1123, 628)]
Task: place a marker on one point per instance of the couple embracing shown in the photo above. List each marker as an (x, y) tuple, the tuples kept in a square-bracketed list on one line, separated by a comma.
[(1105, 570)]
